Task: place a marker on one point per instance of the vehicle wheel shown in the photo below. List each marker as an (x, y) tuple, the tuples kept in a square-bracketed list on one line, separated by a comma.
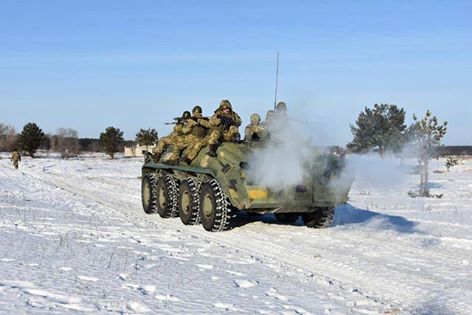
[(149, 193), (167, 193), (287, 217), (189, 202), (215, 213), (321, 218)]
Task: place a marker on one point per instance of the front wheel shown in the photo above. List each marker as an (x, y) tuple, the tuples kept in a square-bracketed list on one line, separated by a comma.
[(320, 218), (148, 193), (215, 213)]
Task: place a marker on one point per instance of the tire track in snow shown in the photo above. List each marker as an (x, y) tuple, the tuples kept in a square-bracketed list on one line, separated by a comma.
[(296, 261), (329, 267)]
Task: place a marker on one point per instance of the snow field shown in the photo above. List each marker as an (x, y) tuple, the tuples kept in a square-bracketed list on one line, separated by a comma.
[(75, 239)]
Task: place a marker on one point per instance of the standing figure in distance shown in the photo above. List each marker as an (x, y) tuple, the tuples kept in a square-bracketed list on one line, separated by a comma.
[(15, 158)]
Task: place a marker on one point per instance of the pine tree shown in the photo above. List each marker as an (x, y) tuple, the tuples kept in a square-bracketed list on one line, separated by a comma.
[(146, 137), (379, 129), (111, 139), (426, 135), (31, 138)]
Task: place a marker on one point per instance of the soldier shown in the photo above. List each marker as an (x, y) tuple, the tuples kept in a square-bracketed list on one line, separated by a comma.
[(224, 125), (194, 133), (281, 108), (265, 125), (172, 139), (15, 158), (254, 130)]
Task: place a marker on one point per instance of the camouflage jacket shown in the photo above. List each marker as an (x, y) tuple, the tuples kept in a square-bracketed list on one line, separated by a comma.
[(199, 126), (253, 129), (15, 156), (218, 120)]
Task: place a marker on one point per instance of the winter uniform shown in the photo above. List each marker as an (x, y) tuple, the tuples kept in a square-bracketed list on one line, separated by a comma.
[(265, 125), (224, 124), (174, 139), (194, 139), (254, 130), (15, 158)]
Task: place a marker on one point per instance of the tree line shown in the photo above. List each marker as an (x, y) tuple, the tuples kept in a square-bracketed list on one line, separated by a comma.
[(382, 129), (66, 140)]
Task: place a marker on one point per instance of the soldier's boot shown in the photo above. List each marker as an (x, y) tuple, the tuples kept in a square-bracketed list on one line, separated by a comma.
[(212, 150), (156, 157), (185, 161), (237, 137)]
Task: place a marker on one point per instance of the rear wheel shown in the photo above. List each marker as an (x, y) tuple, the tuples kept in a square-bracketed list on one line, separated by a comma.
[(287, 217), (189, 201), (215, 213), (167, 193), (320, 218), (148, 193)]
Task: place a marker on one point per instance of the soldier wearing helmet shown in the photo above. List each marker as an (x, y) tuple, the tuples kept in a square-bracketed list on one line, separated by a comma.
[(224, 124), (281, 108), (253, 131), (194, 133), (197, 111), (180, 128)]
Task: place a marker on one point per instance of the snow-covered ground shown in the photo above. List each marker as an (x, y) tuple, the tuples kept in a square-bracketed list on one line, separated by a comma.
[(74, 238)]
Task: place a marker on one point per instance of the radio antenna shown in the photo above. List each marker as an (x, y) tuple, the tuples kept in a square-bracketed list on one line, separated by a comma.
[(276, 80)]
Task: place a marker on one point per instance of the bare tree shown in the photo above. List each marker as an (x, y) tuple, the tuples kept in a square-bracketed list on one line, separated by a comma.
[(66, 141), (8, 137)]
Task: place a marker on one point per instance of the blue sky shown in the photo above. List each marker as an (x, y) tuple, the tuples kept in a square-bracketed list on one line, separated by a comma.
[(136, 64)]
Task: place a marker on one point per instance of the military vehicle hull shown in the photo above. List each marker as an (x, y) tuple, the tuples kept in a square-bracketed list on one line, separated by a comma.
[(196, 191)]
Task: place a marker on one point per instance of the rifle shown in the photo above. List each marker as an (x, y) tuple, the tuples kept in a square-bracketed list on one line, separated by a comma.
[(177, 121), (197, 118)]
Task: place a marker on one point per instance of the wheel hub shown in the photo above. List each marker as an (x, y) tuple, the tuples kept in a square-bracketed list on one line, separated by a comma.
[(186, 202), (207, 206), (146, 194), (162, 197)]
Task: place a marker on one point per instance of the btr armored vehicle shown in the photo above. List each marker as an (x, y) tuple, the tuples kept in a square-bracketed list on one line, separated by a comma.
[(212, 190)]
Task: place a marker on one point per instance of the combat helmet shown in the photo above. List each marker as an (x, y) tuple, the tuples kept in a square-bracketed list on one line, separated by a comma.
[(255, 119), (197, 111), (186, 115), (225, 104), (281, 107), (270, 114)]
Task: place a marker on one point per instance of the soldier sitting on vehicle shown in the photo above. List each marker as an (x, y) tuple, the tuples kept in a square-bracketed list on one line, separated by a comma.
[(173, 139), (265, 125), (281, 109), (15, 158), (194, 133), (224, 125), (253, 131)]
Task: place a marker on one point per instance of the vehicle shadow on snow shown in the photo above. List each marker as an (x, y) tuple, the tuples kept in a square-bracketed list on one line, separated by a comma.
[(344, 215), (347, 214), (244, 218)]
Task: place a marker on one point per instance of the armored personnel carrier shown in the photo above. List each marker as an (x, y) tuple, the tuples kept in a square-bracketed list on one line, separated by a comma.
[(212, 190)]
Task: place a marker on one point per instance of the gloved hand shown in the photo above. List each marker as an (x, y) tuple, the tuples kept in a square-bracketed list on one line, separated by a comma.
[(226, 122)]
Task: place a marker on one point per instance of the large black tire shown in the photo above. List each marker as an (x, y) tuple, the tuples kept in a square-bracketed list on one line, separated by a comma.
[(320, 218), (167, 192), (149, 194), (215, 213), (189, 201), (287, 218)]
